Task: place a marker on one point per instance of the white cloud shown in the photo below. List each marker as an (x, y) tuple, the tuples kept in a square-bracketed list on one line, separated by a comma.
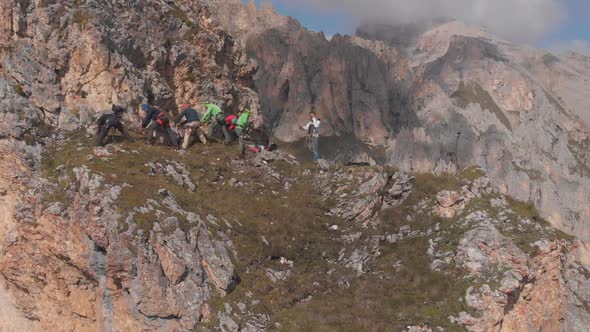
[(578, 46), (516, 20)]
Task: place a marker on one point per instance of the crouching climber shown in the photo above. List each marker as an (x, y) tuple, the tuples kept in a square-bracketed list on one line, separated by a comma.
[(191, 125), (241, 125), (108, 121), (215, 118), (156, 120), (230, 126)]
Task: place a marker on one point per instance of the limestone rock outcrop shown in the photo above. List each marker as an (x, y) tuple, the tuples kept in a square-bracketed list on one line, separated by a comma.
[(73, 59), (435, 98), (134, 237)]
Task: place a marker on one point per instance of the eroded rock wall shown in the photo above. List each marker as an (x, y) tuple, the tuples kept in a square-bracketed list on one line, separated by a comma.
[(436, 98), (73, 59)]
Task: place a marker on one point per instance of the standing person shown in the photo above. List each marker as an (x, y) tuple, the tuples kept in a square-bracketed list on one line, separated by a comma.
[(215, 118), (158, 121), (191, 125), (313, 131), (108, 121), (240, 129), (230, 125)]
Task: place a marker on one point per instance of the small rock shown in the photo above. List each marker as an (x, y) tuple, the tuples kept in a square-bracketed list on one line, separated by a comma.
[(227, 224), (228, 309), (192, 217), (213, 220), (264, 240), (102, 152), (405, 230), (226, 323), (169, 224), (54, 209), (334, 227), (419, 329), (323, 164), (275, 276), (165, 193), (509, 284), (24, 213), (285, 261), (392, 238), (12, 238), (437, 265), (449, 203), (543, 245), (3, 192)]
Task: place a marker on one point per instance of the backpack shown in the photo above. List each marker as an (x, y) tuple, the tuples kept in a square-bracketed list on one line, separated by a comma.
[(106, 121), (163, 120), (313, 131)]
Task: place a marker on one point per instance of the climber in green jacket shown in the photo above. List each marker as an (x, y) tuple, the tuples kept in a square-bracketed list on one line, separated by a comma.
[(240, 130), (215, 118)]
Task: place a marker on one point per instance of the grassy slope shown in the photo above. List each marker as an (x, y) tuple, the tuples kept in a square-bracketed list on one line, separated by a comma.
[(296, 227)]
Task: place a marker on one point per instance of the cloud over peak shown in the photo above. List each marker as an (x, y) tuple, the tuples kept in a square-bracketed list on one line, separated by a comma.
[(516, 20)]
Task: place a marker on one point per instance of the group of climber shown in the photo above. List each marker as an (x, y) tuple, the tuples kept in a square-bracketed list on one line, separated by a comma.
[(188, 121), (190, 124)]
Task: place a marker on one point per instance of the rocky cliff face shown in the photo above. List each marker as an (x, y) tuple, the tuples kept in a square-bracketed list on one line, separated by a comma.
[(123, 238), (436, 99), (77, 259), (75, 58), (67, 265), (136, 237)]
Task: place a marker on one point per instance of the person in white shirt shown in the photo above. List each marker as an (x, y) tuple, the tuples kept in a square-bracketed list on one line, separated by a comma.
[(313, 130)]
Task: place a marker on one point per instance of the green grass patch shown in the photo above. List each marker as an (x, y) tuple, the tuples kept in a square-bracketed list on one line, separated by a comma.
[(295, 224), (82, 18), (471, 173), (19, 90), (180, 14), (191, 77)]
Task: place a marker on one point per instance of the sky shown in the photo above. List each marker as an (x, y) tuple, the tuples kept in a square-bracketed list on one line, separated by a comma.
[(552, 24)]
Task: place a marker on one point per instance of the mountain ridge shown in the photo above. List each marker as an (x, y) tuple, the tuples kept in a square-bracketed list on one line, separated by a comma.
[(443, 235), (400, 98)]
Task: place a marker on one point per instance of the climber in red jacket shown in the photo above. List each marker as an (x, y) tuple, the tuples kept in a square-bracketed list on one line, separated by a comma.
[(230, 124)]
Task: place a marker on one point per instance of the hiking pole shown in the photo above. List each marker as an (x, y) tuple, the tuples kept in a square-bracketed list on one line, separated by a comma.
[(135, 131), (457, 150)]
